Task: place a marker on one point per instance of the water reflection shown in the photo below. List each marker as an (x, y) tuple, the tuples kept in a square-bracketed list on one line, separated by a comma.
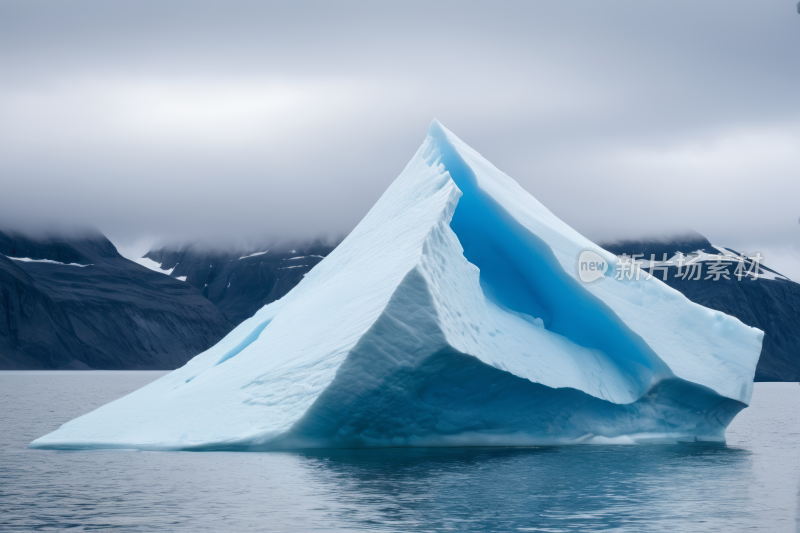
[(558, 488)]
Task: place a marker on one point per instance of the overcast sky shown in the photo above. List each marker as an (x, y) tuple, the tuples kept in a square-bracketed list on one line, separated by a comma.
[(228, 120)]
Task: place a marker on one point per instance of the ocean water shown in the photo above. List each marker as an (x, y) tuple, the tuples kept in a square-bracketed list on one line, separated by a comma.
[(750, 484)]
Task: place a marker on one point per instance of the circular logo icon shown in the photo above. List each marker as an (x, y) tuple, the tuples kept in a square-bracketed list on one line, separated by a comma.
[(591, 266)]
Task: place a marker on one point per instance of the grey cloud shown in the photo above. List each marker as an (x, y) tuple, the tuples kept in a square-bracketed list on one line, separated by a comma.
[(152, 118)]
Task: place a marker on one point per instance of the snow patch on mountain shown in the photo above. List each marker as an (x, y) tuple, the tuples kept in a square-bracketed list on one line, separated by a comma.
[(29, 260), (253, 255), (152, 265)]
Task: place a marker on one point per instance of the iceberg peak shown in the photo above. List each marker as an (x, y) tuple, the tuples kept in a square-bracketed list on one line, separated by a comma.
[(451, 315)]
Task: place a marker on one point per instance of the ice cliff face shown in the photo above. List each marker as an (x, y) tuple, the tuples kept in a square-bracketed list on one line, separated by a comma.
[(452, 315)]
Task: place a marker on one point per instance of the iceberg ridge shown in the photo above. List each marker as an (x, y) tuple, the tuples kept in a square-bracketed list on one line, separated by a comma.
[(451, 315)]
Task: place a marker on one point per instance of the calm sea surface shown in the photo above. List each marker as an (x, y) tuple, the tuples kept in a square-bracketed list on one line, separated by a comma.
[(752, 483)]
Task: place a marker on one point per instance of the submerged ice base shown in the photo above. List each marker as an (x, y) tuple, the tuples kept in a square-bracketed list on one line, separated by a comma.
[(451, 315)]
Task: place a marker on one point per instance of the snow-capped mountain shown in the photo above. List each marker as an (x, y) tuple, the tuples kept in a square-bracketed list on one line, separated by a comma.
[(74, 302)]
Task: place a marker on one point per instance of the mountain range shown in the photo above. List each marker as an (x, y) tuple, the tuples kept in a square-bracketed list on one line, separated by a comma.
[(74, 302)]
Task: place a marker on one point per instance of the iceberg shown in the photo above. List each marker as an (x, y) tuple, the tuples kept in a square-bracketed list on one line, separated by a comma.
[(452, 315)]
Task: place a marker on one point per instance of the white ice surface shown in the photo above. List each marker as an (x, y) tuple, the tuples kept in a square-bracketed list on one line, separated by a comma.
[(394, 294)]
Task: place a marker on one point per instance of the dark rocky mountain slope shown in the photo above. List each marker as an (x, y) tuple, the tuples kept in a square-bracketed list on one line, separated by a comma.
[(75, 302), (769, 302), (240, 282)]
